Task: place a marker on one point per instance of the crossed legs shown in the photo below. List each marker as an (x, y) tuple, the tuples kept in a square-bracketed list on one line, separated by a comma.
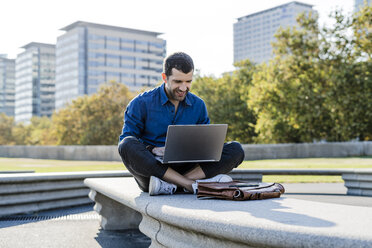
[(185, 180), (142, 165)]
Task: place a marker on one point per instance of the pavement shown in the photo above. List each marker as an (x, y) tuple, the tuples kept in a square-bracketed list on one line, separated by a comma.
[(79, 226)]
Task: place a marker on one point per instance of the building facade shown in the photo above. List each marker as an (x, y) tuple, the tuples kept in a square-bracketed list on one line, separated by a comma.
[(91, 54), (35, 82), (254, 33), (7, 85)]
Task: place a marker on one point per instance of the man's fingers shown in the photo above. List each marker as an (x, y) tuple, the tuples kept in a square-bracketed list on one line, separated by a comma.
[(159, 151)]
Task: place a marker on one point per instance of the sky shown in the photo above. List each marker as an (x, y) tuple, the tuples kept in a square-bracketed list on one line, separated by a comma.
[(201, 28)]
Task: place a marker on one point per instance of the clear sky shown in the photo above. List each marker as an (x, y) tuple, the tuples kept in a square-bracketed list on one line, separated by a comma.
[(201, 28)]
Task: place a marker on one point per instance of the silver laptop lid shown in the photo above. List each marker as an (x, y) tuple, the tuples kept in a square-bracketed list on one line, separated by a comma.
[(194, 143)]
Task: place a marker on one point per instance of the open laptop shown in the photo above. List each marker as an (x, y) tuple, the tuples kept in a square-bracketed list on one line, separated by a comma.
[(194, 143)]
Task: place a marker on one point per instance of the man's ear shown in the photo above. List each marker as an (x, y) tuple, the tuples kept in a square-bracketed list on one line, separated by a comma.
[(164, 77)]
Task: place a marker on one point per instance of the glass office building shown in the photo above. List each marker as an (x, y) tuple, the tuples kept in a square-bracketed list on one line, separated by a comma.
[(90, 54), (254, 33), (35, 81), (7, 84)]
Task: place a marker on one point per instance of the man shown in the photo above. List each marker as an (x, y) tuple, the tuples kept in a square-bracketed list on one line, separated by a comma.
[(146, 121)]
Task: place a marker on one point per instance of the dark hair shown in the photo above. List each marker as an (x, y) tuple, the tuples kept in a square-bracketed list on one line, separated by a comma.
[(180, 61)]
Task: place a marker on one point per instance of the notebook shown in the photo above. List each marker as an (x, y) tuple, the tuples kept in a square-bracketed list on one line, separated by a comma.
[(194, 143)]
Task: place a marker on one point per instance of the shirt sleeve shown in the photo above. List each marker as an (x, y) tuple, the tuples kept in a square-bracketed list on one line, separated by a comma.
[(134, 119)]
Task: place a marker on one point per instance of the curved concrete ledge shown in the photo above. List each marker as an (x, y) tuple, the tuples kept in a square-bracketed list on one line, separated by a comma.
[(183, 221)]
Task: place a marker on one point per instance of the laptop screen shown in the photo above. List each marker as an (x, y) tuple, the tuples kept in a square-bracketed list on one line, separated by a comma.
[(194, 143)]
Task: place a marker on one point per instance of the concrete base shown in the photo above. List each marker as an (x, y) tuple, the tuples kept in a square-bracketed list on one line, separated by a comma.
[(114, 216), (164, 235)]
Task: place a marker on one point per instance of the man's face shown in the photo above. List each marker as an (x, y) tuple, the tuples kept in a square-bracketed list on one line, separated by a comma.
[(177, 85)]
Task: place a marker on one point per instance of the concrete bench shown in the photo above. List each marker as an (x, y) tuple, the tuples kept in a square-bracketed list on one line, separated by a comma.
[(357, 181), (182, 220)]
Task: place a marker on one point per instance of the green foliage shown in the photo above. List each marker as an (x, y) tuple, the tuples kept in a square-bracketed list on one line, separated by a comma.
[(38, 132), (41, 130), (93, 120), (319, 84), (21, 133), (35, 133), (6, 125), (89, 120), (226, 100)]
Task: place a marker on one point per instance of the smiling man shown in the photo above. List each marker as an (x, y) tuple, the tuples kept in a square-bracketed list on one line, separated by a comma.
[(146, 121)]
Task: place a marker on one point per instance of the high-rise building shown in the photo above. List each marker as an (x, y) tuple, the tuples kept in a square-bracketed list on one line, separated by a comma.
[(360, 3), (7, 80), (35, 81), (254, 33), (90, 54)]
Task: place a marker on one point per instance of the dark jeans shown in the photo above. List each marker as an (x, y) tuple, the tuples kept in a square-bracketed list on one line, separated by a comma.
[(142, 164)]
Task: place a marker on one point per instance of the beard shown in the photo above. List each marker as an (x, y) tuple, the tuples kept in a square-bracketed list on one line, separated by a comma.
[(177, 94)]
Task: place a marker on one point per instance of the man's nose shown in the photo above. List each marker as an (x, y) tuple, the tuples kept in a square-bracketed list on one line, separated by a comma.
[(183, 87)]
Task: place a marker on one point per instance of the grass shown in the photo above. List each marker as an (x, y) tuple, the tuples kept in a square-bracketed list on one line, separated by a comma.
[(44, 165)]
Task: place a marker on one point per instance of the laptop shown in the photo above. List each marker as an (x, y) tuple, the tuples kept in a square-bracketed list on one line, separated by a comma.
[(193, 143)]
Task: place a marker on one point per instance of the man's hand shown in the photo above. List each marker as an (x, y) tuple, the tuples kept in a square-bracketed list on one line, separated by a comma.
[(158, 151)]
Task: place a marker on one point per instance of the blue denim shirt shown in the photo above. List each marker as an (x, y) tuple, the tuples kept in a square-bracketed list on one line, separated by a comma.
[(148, 115)]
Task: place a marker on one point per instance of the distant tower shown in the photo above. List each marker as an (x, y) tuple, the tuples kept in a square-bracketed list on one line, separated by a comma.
[(91, 54), (254, 33), (7, 80), (35, 81)]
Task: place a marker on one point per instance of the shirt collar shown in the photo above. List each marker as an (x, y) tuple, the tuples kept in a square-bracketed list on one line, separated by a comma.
[(164, 98)]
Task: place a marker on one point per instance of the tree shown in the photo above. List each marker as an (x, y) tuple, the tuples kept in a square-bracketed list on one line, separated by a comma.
[(40, 130), (93, 120), (37, 132), (318, 86), (6, 125), (289, 93), (226, 101), (351, 63)]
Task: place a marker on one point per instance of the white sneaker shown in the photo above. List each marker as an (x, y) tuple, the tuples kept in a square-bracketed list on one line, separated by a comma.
[(160, 187), (221, 178)]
